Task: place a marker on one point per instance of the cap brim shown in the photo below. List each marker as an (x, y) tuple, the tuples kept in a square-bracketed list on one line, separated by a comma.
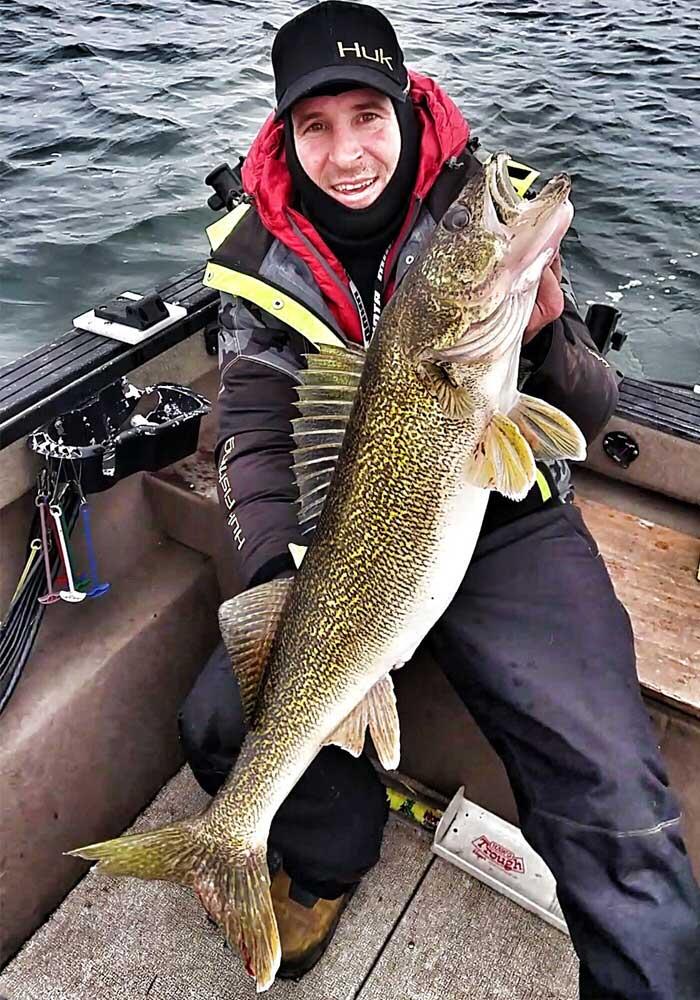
[(363, 75)]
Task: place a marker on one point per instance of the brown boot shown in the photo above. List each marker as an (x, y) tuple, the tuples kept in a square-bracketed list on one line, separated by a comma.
[(305, 930)]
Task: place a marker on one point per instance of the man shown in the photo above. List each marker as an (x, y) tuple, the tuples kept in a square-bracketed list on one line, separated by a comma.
[(345, 184)]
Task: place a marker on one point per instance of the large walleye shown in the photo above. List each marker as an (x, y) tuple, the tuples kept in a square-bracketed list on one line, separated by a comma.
[(397, 451)]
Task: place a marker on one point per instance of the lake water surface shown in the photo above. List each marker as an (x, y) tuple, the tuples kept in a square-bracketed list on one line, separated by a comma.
[(113, 111)]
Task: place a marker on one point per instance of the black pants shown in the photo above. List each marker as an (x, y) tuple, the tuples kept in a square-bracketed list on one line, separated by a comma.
[(539, 648)]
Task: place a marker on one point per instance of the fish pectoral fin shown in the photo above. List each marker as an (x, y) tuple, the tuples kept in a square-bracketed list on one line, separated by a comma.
[(384, 722), (456, 401), (248, 624), (548, 431), (377, 711), (502, 460)]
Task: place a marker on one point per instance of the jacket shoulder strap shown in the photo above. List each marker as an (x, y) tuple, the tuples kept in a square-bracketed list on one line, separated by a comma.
[(223, 227), (273, 300), (239, 244)]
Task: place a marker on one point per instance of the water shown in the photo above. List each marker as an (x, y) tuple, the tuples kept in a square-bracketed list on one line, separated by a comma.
[(113, 111)]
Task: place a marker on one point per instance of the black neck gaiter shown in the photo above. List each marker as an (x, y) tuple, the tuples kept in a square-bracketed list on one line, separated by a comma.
[(359, 236)]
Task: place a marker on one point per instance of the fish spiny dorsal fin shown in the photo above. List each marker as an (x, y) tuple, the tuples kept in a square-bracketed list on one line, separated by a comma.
[(548, 431), (248, 625), (326, 394), (502, 460), (377, 710)]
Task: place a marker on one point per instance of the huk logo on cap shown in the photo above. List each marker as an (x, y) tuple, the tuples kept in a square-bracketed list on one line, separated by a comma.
[(361, 52)]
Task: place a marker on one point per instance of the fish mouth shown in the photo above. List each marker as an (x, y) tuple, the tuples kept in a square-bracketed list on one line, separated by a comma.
[(533, 229), (529, 233)]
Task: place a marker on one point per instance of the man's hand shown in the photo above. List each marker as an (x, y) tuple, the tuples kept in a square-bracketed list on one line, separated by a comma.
[(549, 303)]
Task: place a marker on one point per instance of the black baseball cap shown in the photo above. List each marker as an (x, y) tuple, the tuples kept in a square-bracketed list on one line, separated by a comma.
[(337, 42)]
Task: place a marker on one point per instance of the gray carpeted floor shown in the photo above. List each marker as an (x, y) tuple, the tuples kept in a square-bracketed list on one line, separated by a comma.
[(416, 928)]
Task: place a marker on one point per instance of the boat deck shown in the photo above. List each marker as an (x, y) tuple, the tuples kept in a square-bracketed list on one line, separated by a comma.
[(417, 928)]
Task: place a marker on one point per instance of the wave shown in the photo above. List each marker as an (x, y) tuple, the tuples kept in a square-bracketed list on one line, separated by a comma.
[(64, 52), (19, 10)]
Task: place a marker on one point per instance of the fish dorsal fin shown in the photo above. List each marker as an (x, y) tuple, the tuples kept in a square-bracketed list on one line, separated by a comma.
[(377, 710), (548, 431), (502, 460), (248, 625), (325, 398)]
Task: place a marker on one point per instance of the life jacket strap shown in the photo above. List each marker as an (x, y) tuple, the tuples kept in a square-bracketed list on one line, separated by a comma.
[(219, 230), (273, 301), (545, 488)]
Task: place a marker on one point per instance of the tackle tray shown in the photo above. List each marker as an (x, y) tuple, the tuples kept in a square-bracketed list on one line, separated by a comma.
[(121, 430)]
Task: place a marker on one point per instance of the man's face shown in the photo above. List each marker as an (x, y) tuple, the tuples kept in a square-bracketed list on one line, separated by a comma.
[(348, 144)]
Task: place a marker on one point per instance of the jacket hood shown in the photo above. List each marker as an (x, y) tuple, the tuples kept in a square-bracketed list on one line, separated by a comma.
[(267, 180)]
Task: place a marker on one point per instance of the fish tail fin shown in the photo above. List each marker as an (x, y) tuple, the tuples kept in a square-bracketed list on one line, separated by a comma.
[(502, 460), (169, 853), (254, 923), (548, 431), (232, 882)]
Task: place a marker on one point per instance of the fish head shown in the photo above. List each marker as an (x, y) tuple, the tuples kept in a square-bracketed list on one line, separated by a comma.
[(481, 271)]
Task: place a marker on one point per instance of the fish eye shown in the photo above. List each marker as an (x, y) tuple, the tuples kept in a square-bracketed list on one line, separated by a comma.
[(456, 218)]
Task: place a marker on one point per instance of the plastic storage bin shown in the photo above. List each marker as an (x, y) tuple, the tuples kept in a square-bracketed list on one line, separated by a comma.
[(121, 430)]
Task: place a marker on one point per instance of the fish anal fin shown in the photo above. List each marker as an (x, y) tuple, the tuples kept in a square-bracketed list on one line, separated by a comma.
[(248, 625), (376, 712), (502, 460), (350, 734), (170, 853), (548, 431)]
